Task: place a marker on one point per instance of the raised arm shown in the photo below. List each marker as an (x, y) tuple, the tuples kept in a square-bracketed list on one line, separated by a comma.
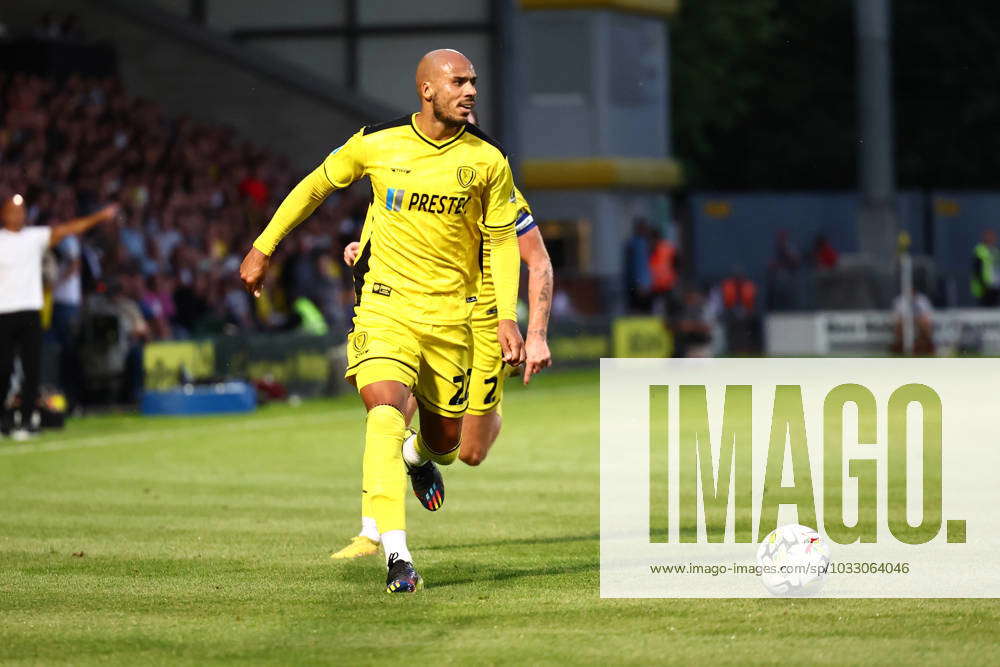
[(80, 225), (536, 346)]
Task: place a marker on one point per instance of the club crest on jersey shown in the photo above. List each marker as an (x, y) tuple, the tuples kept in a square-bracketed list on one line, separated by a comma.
[(465, 176)]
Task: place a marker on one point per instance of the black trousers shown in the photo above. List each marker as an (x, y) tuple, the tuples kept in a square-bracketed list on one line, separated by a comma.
[(21, 336)]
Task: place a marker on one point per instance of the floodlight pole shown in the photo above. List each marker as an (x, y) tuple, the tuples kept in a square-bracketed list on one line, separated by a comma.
[(876, 167), (508, 59), (908, 300)]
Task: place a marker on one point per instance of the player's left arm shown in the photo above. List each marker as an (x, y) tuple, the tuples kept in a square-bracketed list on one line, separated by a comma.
[(499, 226), (536, 257)]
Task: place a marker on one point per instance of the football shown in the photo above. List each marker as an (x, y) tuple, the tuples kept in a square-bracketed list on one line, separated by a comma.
[(793, 561)]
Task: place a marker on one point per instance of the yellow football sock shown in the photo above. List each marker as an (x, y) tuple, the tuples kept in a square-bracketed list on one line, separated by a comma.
[(428, 453), (383, 474)]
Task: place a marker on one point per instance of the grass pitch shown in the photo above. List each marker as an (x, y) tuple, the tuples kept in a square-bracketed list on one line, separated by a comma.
[(131, 540)]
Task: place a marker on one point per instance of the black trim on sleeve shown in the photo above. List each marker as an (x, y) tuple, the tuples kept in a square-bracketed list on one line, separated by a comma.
[(509, 224), (328, 179), (476, 132), (369, 129)]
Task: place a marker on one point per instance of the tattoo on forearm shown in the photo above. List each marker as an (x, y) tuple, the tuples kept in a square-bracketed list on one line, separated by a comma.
[(541, 304)]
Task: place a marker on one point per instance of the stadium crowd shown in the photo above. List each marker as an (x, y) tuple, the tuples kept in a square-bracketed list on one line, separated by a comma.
[(190, 195)]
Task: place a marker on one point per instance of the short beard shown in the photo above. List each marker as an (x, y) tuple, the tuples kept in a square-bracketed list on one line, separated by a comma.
[(441, 115)]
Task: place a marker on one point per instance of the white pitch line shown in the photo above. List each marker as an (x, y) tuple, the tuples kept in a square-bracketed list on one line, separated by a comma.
[(142, 437)]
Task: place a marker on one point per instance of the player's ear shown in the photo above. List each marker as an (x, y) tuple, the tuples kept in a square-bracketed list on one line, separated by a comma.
[(427, 91)]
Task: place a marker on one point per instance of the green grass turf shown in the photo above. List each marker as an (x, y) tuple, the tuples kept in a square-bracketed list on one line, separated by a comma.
[(206, 540)]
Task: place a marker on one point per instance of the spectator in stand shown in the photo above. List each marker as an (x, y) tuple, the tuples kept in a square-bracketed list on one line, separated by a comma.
[(193, 310), (638, 280), (786, 257), (157, 304), (781, 274), (663, 273), (189, 192), (825, 256), (739, 293), (917, 306), (739, 302), (986, 270), (126, 294), (694, 325), (255, 189), (237, 304), (67, 297)]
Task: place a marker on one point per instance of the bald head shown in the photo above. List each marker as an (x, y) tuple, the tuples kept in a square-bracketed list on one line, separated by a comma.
[(440, 62), (446, 85), (12, 213)]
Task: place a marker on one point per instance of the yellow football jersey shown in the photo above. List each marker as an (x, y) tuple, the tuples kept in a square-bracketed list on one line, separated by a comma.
[(486, 305), (433, 203)]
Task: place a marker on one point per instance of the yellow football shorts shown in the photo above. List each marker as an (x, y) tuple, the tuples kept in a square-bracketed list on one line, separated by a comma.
[(488, 368), (434, 361)]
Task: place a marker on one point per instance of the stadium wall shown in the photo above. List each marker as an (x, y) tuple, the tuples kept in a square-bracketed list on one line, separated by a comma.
[(739, 230), (192, 70)]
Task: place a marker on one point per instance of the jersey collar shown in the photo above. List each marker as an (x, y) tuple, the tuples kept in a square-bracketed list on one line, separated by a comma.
[(423, 136)]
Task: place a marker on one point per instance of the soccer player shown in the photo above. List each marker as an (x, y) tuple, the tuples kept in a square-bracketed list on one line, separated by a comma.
[(483, 419), (441, 186)]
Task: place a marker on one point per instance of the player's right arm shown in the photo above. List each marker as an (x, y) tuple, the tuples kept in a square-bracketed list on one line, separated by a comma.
[(340, 168)]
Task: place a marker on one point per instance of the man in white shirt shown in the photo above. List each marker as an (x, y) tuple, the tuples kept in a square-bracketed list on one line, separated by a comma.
[(21, 251)]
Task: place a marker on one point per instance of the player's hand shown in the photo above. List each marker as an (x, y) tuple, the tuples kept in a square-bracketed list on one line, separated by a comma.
[(537, 355), (351, 252), (511, 343), (253, 269)]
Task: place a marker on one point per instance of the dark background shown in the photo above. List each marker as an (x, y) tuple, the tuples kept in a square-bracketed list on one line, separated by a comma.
[(764, 93)]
